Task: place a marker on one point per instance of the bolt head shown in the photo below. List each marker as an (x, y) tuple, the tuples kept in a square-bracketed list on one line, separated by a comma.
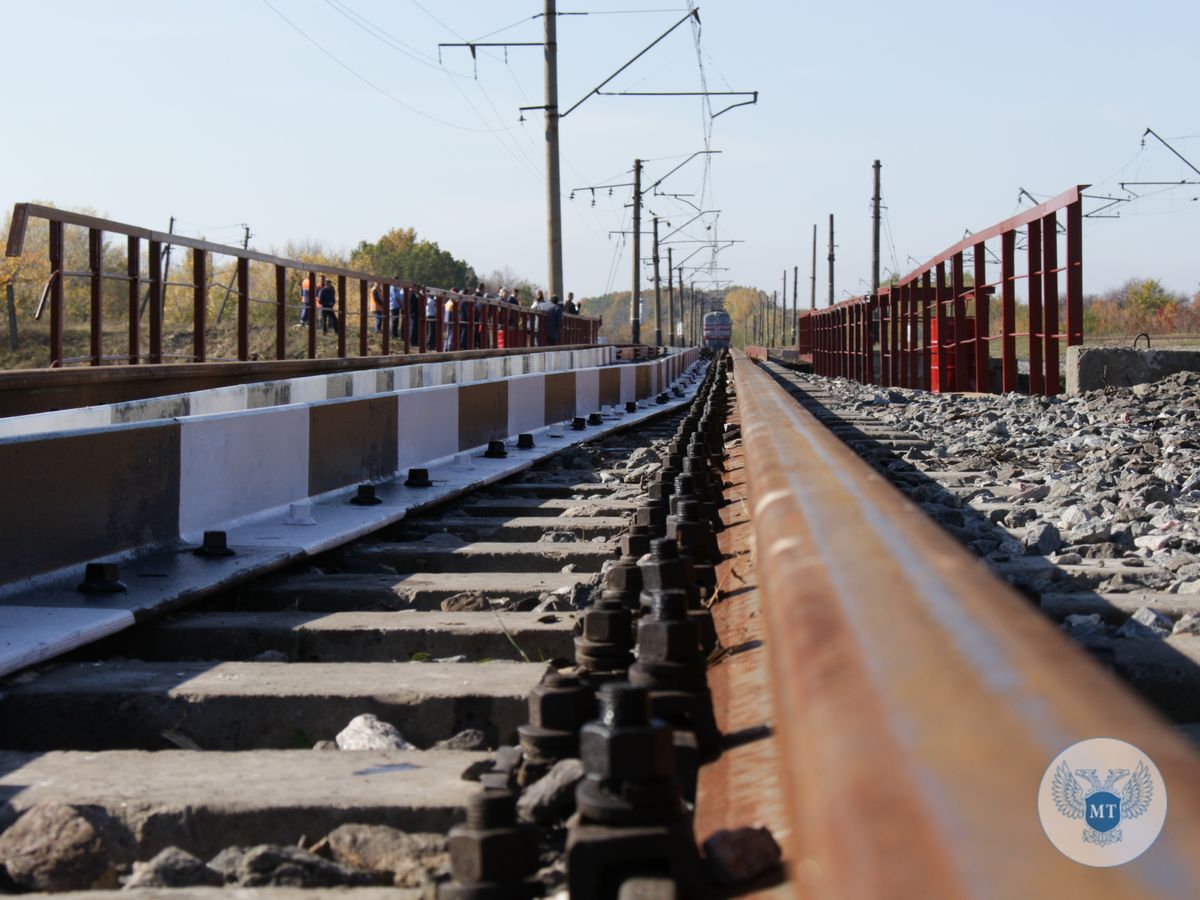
[(624, 753), (561, 707), (677, 642), (492, 855)]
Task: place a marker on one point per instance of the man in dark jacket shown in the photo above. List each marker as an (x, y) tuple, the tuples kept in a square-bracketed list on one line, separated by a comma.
[(554, 319), (327, 299)]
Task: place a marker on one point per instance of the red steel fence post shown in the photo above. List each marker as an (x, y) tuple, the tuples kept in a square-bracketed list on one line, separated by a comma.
[(343, 320), (199, 305), (96, 279), (1075, 273), (364, 317), (958, 380), (1050, 299), (982, 320), (1033, 244), (1008, 311), (243, 308), (156, 293), (280, 311), (133, 269), (311, 314)]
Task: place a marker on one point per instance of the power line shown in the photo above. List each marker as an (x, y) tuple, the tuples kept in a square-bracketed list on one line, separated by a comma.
[(368, 82)]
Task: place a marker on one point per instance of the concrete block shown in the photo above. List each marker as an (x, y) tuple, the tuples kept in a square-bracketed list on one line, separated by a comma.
[(628, 383), (427, 425), (311, 389), (587, 391), (87, 494), (206, 801), (1094, 368), (218, 400), (526, 403), (351, 441), (238, 464), (251, 706), (59, 420)]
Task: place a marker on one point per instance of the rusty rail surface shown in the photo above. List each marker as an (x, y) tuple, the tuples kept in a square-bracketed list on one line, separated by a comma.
[(918, 699), (484, 324), (932, 328)]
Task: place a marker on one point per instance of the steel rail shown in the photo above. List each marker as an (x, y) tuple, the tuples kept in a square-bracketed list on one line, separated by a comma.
[(918, 699)]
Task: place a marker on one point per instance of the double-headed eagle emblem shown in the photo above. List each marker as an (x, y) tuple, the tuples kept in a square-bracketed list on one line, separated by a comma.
[(1098, 804)]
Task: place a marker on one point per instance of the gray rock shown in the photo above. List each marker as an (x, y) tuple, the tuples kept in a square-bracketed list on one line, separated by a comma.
[(325, 745), (1146, 622), (272, 865), (275, 656), (408, 860), (470, 739), (1189, 623), (368, 732), (517, 604), (173, 868), (1082, 627), (1041, 539), (739, 855), (551, 798), (558, 537), (467, 601), (54, 847)]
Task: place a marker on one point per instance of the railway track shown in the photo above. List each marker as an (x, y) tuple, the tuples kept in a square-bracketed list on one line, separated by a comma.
[(206, 730), (1116, 605), (821, 673)]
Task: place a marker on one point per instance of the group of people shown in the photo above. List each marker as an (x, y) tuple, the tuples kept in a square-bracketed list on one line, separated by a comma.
[(394, 304), (326, 300)]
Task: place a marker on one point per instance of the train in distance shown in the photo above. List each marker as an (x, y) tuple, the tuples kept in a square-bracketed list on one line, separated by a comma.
[(718, 329)]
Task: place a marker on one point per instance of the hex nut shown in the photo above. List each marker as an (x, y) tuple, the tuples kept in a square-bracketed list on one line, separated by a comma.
[(668, 641), (492, 855), (627, 753)]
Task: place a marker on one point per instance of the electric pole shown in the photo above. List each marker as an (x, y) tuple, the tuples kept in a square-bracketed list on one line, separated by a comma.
[(831, 259), (657, 292), (783, 321), (553, 196), (875, 234), (812, 299), (795, 302), (670, 299), (635, 300)]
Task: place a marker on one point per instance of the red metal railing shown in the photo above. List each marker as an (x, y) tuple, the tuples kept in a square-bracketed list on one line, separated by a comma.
[(933, 329), (472, 323)]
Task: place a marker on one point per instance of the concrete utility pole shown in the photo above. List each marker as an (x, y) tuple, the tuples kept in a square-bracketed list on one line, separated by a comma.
[(795, 302), (783, 321), (875, 234), (635, 300), (831, 259), (670, 300), (657, 292), (812, 299), (553, 191)]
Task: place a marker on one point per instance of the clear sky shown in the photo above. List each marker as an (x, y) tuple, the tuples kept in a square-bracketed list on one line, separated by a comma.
[(220, 112)]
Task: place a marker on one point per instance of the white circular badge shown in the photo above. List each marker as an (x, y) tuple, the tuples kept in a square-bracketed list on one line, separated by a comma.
[(1102, 802)]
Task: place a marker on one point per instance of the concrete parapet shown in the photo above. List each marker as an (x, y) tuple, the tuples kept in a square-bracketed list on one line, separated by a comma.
[(1095, 368)]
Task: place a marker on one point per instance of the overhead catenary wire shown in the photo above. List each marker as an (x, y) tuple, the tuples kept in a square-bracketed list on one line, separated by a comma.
[(367, 81)]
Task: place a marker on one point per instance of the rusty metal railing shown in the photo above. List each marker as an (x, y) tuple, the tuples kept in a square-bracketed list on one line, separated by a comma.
[(473, 323), (919, 700), (932, 329)]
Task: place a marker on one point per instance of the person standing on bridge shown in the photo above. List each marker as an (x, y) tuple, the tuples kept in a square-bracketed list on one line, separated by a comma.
[(554, 317), (305, 300), (414, 315), (377, 303), (327, 299), (395, 305)]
